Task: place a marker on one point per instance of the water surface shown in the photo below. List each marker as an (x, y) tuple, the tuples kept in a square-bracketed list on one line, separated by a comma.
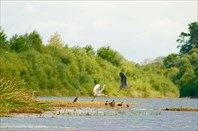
[(145, 115)]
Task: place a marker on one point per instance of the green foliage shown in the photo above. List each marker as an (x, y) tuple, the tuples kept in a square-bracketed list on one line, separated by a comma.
[(3, 38), (89, 49), (110, 55), (170, 60), (187, 78), (157, 81), (63, 71), (189, 40), (18, 43), (182, 69), (25, 42), (34, 40)]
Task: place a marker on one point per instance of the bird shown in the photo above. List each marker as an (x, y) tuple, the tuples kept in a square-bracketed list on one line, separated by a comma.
[(97, 91), (127, 105), (123, 81), (106, 103), (33, 94), (75, 100), (120, 104), (112, 104)]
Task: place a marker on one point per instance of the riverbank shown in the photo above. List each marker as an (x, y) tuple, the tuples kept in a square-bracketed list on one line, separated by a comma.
[(52, 105), (42, 106), (145, 114)]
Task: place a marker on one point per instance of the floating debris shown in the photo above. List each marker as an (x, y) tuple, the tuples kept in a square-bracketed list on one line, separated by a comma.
[(181, 109)]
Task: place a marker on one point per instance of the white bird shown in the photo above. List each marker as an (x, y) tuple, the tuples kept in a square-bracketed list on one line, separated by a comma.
[(33, 94), (97, 91)]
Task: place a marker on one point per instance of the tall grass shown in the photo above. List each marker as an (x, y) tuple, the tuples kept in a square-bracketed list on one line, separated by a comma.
[(12, 91), (15, 98)]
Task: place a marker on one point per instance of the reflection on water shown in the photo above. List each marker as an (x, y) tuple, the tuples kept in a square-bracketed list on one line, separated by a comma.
[(145, 115)]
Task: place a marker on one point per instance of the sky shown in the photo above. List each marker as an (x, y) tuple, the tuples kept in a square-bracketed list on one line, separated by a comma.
[(138, 30)]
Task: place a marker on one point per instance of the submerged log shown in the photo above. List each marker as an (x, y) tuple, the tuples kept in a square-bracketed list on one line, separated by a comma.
[(181, 109)]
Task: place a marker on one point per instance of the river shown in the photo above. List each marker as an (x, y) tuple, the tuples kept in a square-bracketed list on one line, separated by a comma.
[(146, 114)]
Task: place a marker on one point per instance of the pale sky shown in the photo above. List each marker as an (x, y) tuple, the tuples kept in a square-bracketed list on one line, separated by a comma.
[(137, 30)]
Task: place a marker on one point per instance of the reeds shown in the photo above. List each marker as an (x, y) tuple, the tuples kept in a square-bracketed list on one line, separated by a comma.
[(13, 91), (14, 97)]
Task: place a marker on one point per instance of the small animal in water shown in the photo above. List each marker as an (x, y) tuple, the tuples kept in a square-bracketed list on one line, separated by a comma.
[(75, 100), (112, 104), (120, 104), (106, 103), (127, 105)]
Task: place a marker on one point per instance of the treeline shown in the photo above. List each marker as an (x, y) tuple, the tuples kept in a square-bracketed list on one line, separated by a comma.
[(181, 68), (57, 69)]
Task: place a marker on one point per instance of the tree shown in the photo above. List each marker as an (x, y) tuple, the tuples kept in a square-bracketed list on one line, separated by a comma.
[(170, 60), (3, 38), (110, 55), (34, 40), (189, 40), (56, 41), (17, 43), (193, 28), (89, 49), (23, 42)]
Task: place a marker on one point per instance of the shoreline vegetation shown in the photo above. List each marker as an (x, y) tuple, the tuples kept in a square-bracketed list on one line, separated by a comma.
[(16, 99), (55, 69)]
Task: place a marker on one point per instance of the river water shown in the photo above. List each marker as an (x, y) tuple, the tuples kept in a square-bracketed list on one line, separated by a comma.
[(146, 114)]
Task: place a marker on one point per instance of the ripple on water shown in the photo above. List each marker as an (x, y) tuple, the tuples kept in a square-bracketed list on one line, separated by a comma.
[(142, 117)]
